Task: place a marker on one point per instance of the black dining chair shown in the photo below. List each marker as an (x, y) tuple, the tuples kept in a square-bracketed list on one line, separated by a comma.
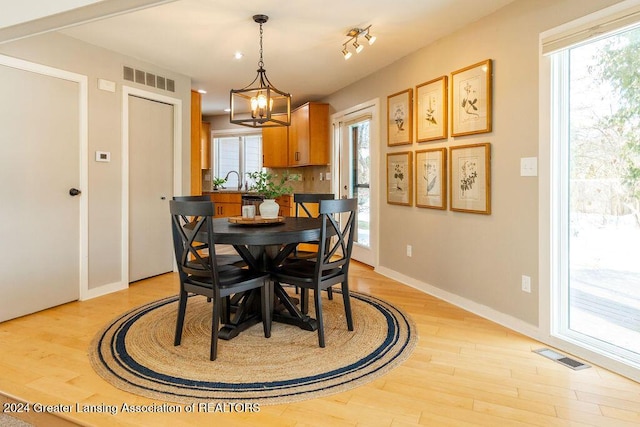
[(202, 275), (223, 258), (307, 205), (332, 261)]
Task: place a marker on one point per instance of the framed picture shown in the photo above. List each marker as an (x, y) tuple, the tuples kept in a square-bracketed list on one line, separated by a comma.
[(470, 178), (400, 118), (399, 178), (431, 110), (471, 99), (431, 178)]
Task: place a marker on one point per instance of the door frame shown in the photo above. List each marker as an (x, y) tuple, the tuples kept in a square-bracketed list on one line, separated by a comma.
[(374, 190), (83, 134), (177, 162)]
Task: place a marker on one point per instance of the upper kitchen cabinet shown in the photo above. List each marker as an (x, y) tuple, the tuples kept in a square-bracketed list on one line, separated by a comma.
[(275, 143), (309, 135)]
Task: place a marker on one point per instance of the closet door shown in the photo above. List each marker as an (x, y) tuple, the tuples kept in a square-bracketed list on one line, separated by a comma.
[(39, 166)]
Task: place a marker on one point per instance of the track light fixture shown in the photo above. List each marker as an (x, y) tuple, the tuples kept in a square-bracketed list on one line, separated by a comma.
[(353, 35)]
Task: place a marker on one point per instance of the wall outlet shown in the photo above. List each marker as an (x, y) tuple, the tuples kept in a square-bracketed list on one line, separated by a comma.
[(327, 176), (409, 250), (526, 284)]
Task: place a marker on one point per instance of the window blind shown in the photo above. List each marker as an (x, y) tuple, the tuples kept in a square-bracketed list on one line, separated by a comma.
[(614, 19)]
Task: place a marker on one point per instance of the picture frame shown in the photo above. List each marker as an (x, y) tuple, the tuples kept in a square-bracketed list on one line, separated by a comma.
[(431, 178), (470, 178), (471, 103), (400, 118), (432, 110), (400, 178)]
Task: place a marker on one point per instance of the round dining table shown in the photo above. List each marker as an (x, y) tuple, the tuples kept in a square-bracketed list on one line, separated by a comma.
[(264, 247)]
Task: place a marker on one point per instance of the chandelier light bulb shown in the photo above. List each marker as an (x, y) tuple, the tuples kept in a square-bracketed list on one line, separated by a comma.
[(358, 46), (346, 53)]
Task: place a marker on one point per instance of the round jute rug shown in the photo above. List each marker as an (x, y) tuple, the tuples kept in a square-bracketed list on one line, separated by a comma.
[(135, 353)]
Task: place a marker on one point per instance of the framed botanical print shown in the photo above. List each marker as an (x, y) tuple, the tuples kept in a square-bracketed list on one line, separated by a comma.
[(431, 110), (471, 99), (399, 178), (431, 178), (470, 178), (399, 118)]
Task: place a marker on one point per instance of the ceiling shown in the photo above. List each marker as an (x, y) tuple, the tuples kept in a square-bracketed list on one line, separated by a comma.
[(302, 40)]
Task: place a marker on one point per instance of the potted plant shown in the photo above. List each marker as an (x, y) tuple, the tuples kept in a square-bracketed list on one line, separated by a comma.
[(267, 185), (217, 182)]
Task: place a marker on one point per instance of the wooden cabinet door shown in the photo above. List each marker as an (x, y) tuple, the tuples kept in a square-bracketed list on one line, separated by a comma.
[(299, 143), (309, 135), (275, 146), (205, 146), (227, 204)]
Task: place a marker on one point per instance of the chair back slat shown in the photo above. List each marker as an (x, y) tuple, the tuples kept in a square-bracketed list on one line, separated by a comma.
[(304, 200)]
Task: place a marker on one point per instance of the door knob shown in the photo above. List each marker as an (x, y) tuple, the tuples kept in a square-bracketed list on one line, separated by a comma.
[(163, 198), (74, 192)]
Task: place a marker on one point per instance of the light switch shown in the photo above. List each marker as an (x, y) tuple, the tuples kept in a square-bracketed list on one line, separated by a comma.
[(529, 166)]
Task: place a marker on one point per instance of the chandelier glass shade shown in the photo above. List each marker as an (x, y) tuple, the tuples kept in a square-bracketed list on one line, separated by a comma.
[(260, 104)]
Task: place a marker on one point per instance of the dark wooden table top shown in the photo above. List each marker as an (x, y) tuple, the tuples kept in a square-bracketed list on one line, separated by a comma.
[(292, 230)]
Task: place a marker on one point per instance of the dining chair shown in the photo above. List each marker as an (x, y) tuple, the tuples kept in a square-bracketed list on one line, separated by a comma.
[(307, 205), (202, 275), (223, 259), (332, 261)]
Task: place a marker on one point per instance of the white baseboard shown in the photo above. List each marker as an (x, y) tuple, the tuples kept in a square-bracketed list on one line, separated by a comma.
[(481, 310), (103, 290), (517, 325)]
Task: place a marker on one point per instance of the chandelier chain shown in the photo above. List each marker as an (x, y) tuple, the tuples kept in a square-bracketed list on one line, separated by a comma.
[(261, 62)]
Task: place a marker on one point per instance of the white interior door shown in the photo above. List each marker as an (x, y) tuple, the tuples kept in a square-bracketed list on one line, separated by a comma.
[(40, 223), (150, 187), (354, 148)]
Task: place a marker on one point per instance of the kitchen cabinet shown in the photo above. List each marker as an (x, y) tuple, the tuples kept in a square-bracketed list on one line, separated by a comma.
[(275, 143), (304, 143), (205, 145), (286, 205), (227, 204), (309, 135), (196, 128)]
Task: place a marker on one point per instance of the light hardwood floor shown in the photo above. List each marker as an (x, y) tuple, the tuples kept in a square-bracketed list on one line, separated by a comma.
[(465, 371)]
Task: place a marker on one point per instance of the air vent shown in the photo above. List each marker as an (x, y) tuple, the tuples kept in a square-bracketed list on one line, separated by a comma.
[(148, 79), (562, 359), (128, 73), (151, 79), (140, 77)]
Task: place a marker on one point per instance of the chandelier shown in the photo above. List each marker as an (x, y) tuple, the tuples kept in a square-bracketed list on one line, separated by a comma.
[(260, 104)]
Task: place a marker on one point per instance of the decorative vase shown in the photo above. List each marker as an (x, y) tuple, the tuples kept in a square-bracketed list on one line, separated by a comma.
[(269, 208)]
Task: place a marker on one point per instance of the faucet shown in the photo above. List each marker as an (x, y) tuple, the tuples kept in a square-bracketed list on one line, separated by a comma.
[(239, 180)]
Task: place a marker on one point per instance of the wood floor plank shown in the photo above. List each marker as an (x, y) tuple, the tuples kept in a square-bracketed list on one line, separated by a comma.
[(465, 371)]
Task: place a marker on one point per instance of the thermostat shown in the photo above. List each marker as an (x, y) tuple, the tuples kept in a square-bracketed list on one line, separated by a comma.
[(103, 156)]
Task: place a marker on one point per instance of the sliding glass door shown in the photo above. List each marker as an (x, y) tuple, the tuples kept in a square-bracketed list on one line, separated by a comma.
[(597, 144)]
